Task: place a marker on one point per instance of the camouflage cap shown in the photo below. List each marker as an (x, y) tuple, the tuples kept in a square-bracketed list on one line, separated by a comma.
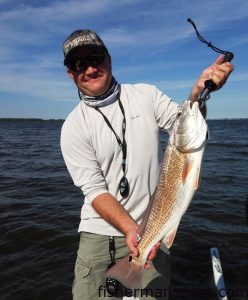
[(81, 38)]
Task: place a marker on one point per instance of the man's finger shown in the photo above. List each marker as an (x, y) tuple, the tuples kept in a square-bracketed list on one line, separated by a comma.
[(147, 266), (153, 252), (134, 251)]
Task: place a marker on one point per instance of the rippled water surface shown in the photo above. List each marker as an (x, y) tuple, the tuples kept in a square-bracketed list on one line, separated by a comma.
[(40, 211)]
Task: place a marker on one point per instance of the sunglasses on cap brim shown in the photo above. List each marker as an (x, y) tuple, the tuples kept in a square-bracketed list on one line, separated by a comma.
[(78, 64)]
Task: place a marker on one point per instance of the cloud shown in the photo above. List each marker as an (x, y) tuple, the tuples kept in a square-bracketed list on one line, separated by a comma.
[(32, 33), (25, 20)]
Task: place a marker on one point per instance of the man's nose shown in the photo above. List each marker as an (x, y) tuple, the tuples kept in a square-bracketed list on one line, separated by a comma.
[(90, 70)]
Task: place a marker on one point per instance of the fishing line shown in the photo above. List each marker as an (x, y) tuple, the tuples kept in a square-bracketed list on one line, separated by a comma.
[(209, 84)]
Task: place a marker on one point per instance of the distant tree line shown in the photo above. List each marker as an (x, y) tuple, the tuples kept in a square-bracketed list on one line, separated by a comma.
[(31, 120)]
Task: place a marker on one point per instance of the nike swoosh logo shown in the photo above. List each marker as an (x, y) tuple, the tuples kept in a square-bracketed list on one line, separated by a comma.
[(135, 117)]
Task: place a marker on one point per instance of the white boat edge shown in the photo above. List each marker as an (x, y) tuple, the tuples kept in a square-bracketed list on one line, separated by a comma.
[(218, 274)]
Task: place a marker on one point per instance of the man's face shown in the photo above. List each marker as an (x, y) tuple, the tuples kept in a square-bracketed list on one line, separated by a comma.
[(93, 80)]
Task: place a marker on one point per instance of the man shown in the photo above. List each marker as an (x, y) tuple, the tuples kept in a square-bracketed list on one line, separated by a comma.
[(111, 147)]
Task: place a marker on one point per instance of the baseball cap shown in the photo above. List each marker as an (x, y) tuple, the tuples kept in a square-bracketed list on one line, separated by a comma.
[(81, 38)]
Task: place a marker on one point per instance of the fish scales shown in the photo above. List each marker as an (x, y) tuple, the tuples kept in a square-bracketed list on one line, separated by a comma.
[(165, 196)]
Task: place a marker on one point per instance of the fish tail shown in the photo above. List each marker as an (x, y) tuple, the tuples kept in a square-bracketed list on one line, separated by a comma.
[(128, 272)]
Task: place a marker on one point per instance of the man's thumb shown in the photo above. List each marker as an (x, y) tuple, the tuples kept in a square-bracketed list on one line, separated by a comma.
[(220, 60)]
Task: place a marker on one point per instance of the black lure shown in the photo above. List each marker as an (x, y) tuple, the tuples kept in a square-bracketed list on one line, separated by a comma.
[(124, 187)]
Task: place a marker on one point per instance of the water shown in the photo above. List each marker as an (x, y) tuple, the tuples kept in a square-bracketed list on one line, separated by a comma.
[(40, 211)]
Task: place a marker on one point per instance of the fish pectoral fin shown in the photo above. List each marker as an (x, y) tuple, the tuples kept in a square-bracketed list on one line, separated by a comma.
[(188, 164), (169, 238)]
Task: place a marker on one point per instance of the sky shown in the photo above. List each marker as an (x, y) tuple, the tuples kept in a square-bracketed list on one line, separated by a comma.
[(150, 41)]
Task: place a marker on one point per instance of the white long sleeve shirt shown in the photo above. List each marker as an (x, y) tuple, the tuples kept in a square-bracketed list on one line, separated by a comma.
[(94, 158)]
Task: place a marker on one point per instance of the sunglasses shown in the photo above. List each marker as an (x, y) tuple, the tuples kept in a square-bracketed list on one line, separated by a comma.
[(82, 64)]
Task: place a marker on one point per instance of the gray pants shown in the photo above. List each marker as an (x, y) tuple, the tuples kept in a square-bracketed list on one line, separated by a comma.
[(92, 262)]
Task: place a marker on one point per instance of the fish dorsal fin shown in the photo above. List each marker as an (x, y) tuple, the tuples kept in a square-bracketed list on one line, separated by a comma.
[(169, 238), (187, 167)]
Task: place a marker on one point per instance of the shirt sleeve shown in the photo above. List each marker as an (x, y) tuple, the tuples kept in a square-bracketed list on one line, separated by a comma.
[(165, 110), (80, 158)]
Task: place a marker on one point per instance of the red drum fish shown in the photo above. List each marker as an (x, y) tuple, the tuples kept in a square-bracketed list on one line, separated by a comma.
[(178, 181)]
